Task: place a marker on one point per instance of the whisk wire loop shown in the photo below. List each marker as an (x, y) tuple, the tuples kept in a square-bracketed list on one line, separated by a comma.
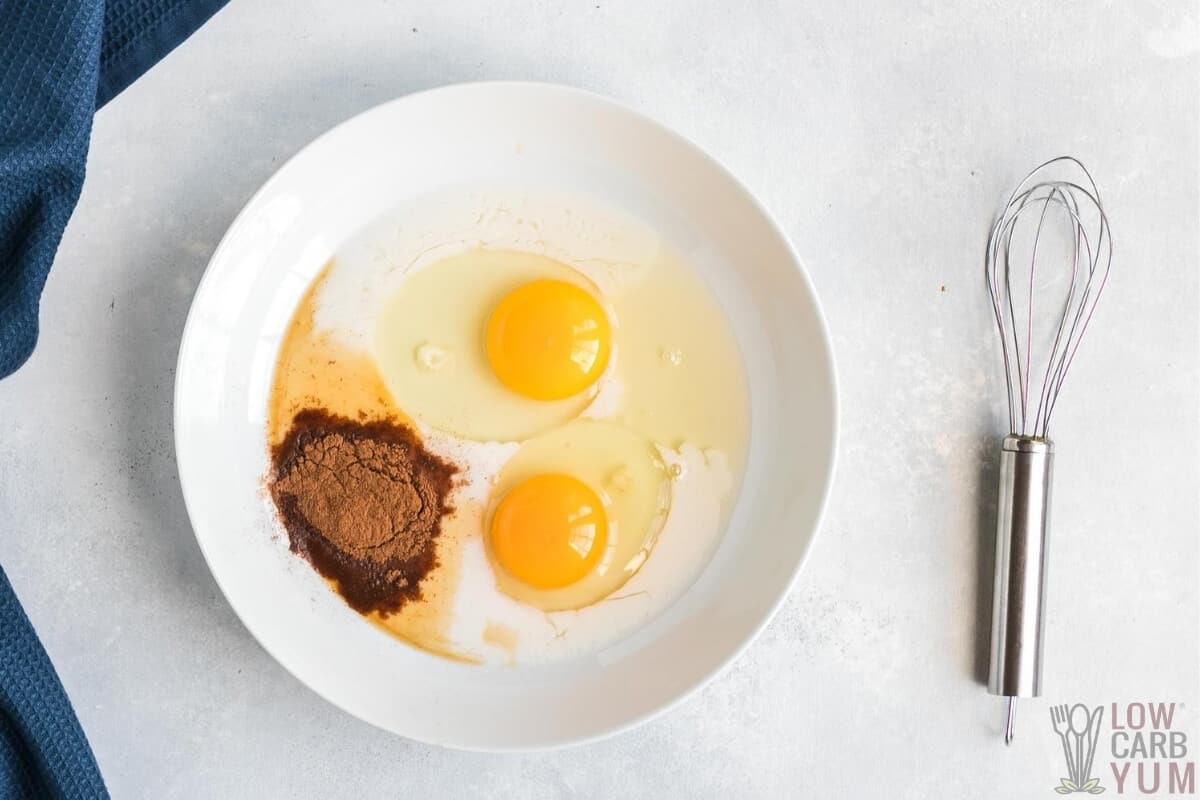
[(1038, 197)]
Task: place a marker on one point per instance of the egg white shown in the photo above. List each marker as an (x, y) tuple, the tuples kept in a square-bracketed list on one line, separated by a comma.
[(479, 609)]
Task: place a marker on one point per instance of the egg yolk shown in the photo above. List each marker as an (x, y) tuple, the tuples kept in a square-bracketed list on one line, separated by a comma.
[(548, 340), (549, 531)]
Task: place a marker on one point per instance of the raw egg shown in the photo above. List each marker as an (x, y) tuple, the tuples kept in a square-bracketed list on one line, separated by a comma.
[(575, 512), (494, 345)]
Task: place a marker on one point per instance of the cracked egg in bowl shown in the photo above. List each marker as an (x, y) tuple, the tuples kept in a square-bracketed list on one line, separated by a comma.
[(509, 436)]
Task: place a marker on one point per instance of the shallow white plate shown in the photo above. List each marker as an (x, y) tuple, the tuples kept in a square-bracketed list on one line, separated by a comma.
[(428, 143)]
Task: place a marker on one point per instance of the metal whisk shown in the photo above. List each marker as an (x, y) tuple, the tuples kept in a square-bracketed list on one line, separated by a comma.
[(1025, 306)]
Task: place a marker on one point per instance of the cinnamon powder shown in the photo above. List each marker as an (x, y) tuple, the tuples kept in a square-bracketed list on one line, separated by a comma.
[(363, 502)]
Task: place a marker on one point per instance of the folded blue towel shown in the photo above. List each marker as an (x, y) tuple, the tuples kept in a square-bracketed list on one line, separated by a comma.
[(60, 60), (43, 752)]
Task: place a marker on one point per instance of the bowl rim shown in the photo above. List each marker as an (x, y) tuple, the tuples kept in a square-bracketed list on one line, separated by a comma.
[(826, 349)]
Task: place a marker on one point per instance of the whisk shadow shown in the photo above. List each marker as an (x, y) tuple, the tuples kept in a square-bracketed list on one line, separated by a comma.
[(987, 474)]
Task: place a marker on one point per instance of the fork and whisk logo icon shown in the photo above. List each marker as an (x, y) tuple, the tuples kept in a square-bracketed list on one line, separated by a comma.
[(1079, 729)]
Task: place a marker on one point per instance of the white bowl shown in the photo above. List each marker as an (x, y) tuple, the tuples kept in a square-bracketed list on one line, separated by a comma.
[(426, 143)]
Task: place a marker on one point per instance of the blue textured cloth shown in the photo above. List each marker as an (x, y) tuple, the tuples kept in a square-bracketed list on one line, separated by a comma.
[(42, 749), (60, 60)]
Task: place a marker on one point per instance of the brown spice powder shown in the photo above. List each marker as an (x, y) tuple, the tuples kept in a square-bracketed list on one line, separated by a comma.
[(363, 502)]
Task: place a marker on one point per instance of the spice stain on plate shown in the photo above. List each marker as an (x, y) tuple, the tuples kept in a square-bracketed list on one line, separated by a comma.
[(426, 624), (357, 493), (314, 371), (503, 637)]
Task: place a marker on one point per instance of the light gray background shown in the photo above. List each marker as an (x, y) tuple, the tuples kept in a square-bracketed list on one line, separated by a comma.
[(882, 135)]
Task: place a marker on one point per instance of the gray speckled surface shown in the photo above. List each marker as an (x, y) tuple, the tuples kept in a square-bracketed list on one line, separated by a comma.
[(882, 137)]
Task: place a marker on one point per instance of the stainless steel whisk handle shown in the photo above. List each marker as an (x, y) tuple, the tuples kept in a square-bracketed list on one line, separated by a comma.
[(1041, 325), (1019, 588)]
